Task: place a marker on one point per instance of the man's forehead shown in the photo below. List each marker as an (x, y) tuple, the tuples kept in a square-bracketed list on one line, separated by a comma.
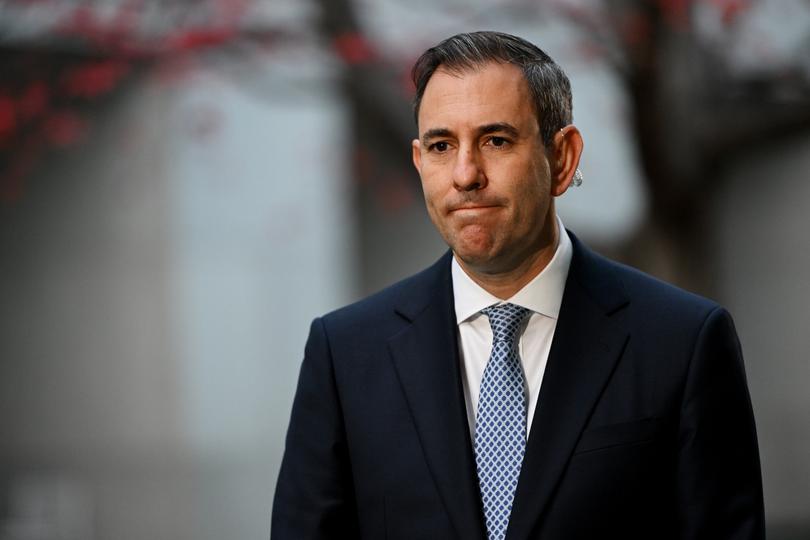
[(488, 93)]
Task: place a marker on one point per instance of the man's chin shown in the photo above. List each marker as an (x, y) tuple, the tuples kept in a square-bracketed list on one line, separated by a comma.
[(476, 260)]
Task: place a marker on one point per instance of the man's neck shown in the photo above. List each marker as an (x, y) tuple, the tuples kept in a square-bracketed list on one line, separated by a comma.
[(506, 284)]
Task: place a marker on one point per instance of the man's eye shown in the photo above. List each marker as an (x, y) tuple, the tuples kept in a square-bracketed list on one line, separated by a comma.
[(438, 146), (498, 141)]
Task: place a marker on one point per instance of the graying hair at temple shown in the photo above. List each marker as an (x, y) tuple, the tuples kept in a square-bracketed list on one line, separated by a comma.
[(547, 82)]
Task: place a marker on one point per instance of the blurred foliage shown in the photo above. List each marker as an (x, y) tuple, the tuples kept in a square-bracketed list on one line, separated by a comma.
[(695, 100)]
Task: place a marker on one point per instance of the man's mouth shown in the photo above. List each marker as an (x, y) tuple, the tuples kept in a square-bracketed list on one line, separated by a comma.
[(472, 207)]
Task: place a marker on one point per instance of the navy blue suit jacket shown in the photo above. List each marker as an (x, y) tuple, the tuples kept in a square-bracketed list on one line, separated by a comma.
[(643, 427)]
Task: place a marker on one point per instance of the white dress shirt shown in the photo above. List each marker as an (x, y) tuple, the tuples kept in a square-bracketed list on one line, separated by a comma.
[(542, 296)]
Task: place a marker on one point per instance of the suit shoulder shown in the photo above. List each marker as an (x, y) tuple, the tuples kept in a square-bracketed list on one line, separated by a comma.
[(657, 289), (647, 293), (379, 308), (666, 322)]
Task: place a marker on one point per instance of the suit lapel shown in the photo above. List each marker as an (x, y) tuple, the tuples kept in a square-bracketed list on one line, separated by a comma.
[(588, 341), (425, 356)]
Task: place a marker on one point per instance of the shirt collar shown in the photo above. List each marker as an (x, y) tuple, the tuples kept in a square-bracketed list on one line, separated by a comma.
[(543, 294)]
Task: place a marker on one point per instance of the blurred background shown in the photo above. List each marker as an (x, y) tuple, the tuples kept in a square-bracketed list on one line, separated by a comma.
[(184, 185)]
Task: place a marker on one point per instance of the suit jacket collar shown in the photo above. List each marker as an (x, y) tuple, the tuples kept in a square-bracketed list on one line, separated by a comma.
[(425, 356), (588, 341)]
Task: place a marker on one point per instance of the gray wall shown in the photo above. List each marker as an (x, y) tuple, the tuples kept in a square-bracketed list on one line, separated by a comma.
[(157, 283), (761, 231)]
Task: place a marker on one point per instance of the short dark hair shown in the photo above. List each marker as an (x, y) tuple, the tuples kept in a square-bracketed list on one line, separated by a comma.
[(547, 82)]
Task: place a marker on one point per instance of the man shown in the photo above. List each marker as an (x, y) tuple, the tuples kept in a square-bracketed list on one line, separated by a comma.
[(523, 386)]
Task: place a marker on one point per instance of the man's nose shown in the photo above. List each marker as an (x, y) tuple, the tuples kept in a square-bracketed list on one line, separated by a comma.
[(468, 175)]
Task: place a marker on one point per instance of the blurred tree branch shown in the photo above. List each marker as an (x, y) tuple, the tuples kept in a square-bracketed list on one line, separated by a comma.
[(692, 114)]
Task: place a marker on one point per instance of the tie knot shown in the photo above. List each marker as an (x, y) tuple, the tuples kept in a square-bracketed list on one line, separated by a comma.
[(505, 320)]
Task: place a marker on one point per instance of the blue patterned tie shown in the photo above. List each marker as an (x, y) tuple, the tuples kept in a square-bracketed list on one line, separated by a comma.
[(500, 425)]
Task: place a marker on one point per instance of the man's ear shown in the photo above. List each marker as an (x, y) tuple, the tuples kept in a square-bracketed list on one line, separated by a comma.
[(564, 159), (416, 155)]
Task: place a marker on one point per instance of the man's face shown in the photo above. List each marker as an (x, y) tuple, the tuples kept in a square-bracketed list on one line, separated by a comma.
[(485, 173)]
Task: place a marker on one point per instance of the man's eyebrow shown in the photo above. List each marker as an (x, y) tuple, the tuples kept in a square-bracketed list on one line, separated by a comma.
[(486, 129), (499, 127), (435, 132)]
